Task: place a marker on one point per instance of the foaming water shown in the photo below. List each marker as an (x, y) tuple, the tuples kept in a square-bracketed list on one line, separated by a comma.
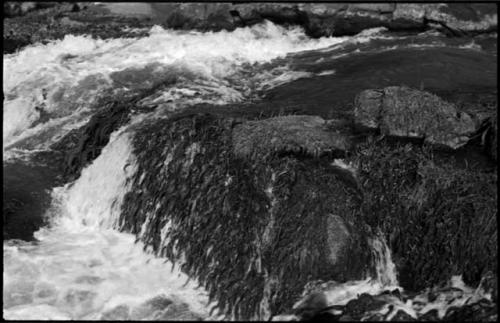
[(384, 287), (69, 75), (341, 293), (81, 268)]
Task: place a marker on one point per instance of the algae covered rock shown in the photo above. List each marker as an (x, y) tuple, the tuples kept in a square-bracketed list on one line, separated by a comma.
[(252, 231), (438, 219), (299, 134), (490, 139), (409, 113)]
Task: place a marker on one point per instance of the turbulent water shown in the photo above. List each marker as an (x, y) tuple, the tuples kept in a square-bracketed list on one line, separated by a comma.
[(80, 266)]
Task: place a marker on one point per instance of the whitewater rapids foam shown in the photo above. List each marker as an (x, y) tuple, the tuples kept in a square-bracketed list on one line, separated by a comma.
[(69, 75), (81, 268), (440, 299)]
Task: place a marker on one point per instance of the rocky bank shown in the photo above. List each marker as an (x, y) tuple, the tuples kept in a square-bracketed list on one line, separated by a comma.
[(31, 22), (258, 202)]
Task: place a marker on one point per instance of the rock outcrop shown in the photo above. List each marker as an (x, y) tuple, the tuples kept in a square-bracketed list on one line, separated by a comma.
[(409, 113), (317, 19), (252, 230), (438, 219), (297, 134), (334, 19)]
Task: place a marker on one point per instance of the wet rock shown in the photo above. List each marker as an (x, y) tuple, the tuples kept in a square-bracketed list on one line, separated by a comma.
[(490, 137), (431, 315), (297, 134), (323, 317), (179, 312), (460, 20), (489, 285), (365, 303), (151, 308), (402, 316), (483, 310), (311, 306), (12, 9), (55, 21), (333, 19), (408, 113), (405, 182), (294, 209), (26, 196), (367, 111)]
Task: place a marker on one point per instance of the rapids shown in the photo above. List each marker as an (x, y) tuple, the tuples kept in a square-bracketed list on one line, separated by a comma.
[(79, 265)]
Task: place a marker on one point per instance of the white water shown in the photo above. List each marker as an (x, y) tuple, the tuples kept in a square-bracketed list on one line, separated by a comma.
[(65, 77), (80, 268), (455, 294)]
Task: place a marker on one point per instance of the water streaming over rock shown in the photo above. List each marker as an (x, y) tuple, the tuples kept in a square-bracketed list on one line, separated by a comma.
[(168, 221)]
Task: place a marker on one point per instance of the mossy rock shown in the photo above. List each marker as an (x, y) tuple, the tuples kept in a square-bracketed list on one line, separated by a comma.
[(300, 134), (252, 231), (409, 113), (438, 220)]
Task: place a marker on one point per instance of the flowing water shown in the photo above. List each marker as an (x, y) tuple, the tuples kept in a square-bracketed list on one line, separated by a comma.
[(80, 266)]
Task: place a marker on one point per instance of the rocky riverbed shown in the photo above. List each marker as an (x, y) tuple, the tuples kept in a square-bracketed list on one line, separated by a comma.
[(292, 161)]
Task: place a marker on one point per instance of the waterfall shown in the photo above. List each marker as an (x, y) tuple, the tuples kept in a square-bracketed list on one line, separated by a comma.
[(385, 268), (80, 268)]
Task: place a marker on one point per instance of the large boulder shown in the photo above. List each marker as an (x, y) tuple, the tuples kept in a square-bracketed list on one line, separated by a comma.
[(409, 113), (300, 134), (273, 222)]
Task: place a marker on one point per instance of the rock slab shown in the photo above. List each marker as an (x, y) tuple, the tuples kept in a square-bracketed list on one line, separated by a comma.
[(409, 113), (298, 134)]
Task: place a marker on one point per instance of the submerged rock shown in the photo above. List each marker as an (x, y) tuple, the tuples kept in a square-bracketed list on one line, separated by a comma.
[(409, 113), (298, 134)]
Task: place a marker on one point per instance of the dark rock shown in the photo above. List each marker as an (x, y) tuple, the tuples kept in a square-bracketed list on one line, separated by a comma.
[(298, 134), (333, 19), (449, 213), (311, 306), (431, 315), (290, 212), (365, 303), (408, 113), (323, 317), (483, 310), (489, 285), (92, 137), (317, 19), (368, 109), (26, 196), (490, 139), (12, 9), (402, 316)]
